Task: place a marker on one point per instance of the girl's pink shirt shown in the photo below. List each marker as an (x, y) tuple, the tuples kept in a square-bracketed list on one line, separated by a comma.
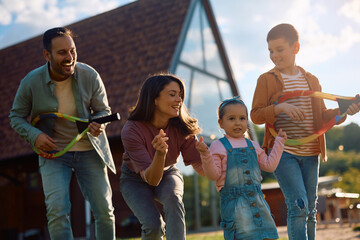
[(215, 159)]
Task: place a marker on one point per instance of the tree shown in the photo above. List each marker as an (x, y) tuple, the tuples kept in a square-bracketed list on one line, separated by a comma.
[(334, 138), (259, 131), (350, 181), (352, 137)]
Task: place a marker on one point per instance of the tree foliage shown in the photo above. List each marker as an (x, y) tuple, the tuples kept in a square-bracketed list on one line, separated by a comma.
[(350, 181), (348, 136)]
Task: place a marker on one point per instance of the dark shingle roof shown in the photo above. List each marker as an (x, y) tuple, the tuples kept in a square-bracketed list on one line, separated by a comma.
[(124, 45)]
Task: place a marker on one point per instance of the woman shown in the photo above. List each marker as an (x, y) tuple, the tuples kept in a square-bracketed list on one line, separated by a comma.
[(157, 131)]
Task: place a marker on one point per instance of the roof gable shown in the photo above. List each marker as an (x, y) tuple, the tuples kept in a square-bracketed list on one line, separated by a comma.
[(124, 45)]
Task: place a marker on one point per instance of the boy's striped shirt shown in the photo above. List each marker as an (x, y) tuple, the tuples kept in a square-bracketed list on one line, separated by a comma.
[(298, 129)]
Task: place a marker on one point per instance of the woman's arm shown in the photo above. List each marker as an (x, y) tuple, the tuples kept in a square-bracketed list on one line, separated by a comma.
[(154, 173)]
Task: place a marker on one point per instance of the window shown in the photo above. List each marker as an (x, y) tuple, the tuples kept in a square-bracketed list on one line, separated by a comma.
[(202, 70)]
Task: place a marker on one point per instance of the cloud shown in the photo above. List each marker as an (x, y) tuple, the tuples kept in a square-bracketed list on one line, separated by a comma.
[(317, 44), (23, 19), (90, 7), (319, 47), (257, 18), (5, 16), (351, 10), (52, 12)]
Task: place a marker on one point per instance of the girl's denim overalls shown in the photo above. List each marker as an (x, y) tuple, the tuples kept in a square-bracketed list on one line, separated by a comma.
[(244, 211)]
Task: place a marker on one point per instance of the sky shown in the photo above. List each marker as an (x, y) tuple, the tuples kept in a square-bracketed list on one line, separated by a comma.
[(329, 41), (329, 35)]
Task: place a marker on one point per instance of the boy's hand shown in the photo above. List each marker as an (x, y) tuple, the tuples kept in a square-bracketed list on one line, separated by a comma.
[(295, 113), (353, 108), (201, 146), (159, 142), (282, 134)]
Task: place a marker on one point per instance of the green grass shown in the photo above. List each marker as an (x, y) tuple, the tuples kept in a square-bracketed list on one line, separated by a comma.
[(356, 228), (218, 235)]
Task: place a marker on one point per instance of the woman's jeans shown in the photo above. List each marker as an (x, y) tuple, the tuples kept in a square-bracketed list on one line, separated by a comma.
[(298, 180), (92, 177), (141, 197)]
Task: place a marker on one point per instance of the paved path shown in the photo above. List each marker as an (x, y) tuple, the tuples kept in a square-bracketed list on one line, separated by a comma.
[(330, 232)]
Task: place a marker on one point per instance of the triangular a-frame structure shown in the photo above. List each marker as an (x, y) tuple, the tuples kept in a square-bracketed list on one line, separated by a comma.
[(124, 45), (201, 60)]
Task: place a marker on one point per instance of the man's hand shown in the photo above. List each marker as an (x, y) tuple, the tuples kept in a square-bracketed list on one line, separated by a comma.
[(44, 143), (96, 129)]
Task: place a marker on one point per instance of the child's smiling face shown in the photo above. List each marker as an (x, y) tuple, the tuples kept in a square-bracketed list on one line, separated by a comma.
[(282, 54), (235, 120)]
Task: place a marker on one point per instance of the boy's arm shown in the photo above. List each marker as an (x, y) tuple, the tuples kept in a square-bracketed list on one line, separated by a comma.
[(262, 109)]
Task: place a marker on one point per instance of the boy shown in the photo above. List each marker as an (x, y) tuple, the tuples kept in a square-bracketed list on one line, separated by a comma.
[(297, 172)]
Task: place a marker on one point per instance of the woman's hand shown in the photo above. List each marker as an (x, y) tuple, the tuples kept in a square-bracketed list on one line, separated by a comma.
[(201, 146), (159, 142), (154, 173)]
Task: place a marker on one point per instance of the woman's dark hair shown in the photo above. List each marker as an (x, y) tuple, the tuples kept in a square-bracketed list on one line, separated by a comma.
[(145, 105), (283, 30), (50, 34)]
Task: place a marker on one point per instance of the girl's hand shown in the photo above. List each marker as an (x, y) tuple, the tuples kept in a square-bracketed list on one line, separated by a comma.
[(353, 108), (201, 146), (159, 142), (295, 113), (282, 134)]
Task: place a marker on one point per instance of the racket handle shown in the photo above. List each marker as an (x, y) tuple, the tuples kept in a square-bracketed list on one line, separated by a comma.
[(110, 118)]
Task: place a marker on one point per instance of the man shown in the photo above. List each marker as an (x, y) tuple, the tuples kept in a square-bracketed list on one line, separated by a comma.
[(67, 86)]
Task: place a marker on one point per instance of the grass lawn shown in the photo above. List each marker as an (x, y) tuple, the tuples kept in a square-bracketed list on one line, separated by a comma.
[(218, 235)]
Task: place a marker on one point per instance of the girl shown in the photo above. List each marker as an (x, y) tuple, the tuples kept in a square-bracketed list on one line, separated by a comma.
[(234, 162), (157, 131)]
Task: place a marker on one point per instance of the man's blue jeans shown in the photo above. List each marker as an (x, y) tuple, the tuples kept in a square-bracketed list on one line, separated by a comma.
[(298, 180), (141, 197), (92, 177)]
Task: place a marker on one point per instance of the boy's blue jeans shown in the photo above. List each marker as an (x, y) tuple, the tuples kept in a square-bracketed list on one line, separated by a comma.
[(141, 197), (92, 177), (298, 180)]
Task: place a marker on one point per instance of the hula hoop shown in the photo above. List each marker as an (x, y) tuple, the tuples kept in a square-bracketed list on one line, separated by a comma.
[(82, 130), (342, 101)]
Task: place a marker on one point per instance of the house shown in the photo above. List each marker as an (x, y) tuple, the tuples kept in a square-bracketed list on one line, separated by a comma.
[(333, 204), (124, 45)]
